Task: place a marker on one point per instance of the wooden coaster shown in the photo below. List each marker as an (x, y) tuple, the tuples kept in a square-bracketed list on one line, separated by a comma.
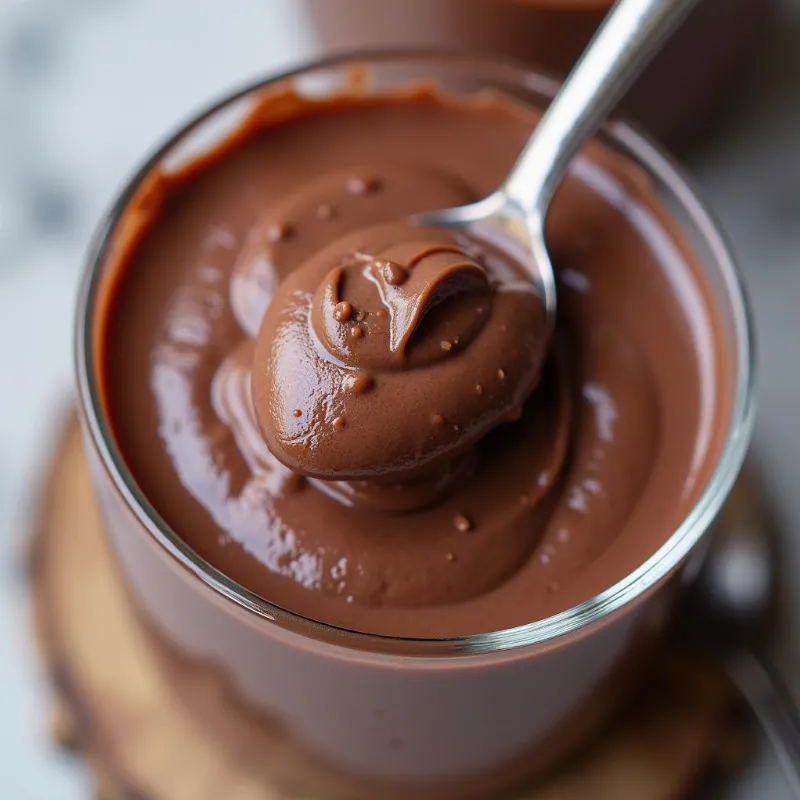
[(144, 741)]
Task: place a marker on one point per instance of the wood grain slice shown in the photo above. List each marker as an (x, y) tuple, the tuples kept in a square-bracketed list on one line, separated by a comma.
[(144, 741)]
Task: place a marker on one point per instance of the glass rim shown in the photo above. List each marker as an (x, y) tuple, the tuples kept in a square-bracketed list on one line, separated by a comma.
[(572, 620)]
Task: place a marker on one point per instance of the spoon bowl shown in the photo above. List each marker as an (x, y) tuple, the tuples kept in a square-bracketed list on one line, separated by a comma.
[(514, 215), (498, 219), (733, 596), (728, 611)]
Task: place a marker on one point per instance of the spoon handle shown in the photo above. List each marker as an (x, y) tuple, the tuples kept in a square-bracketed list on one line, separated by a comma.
[(773, 704), (625, 42)]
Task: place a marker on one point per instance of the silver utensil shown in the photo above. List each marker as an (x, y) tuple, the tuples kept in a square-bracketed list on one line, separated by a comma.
[(728, 610), (630, 35)]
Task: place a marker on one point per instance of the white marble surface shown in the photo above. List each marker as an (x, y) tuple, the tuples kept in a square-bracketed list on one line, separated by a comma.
[(87, 86)]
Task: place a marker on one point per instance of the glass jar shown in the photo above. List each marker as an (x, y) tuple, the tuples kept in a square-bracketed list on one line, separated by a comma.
[(680, 94), (467, 714)]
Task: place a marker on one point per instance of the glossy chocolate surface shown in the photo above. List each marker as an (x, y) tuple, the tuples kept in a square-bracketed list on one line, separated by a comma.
[(444, 475)]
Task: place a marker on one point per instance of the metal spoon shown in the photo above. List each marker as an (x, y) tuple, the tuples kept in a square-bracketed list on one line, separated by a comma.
[(628, 38), (728, 609)]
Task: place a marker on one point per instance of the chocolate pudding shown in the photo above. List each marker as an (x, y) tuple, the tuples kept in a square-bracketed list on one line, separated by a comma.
[(362, 421), (300, 408)]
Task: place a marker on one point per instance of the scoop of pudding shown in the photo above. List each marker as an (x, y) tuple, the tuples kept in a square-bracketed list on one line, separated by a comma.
[(391, 352)]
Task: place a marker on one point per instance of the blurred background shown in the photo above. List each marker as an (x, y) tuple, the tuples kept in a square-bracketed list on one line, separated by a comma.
[(87, 87)]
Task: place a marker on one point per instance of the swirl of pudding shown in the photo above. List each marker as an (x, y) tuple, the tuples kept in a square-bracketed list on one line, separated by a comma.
[(382, 359)]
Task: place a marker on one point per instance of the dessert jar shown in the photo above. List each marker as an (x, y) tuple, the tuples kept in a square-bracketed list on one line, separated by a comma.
[(677, 99), (450, 716)]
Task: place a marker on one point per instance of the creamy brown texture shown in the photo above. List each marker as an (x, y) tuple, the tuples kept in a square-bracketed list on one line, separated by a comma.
[(391, 352), (434, 500)]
